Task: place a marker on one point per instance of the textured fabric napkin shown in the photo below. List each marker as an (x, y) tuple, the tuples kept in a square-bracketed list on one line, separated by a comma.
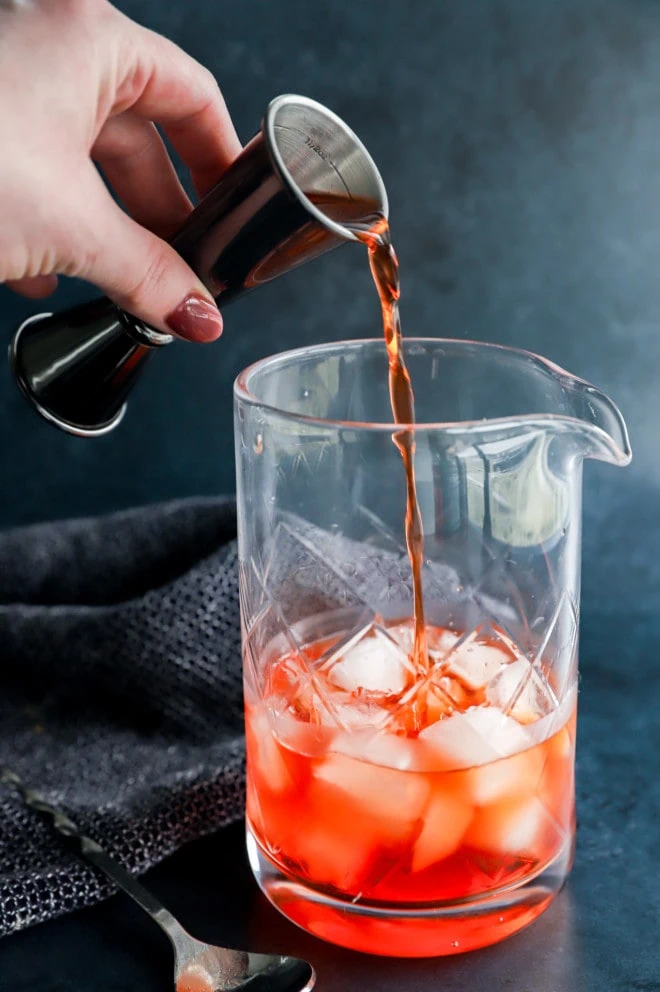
[(120, 693)]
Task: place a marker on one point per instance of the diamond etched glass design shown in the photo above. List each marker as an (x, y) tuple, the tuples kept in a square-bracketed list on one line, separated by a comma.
[(384, 774), (318, 584)]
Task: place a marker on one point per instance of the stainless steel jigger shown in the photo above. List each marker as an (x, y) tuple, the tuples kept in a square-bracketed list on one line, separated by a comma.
[(264, 217)]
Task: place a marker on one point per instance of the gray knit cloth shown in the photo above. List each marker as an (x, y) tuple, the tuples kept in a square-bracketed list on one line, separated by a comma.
[(120, 694)]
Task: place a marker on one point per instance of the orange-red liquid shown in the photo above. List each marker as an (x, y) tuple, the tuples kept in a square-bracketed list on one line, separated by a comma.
[(373, 230), (385, 818)]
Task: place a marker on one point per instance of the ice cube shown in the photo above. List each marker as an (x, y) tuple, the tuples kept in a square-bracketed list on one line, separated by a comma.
[(301, 736), (443, 697), (509, 827), (474, 737), (557, 786), (394, 798), (355, 813), (307, 702), (344, 710), (552, 723), (475, 663), (517, 775), (521, 690), (357, 714), (318, 701), (374, 664), (442, 642), (330, 852), (440, 645), (264, 751), (387, 750), (456, 743), (504, 734), (446, 819), (404, 634)]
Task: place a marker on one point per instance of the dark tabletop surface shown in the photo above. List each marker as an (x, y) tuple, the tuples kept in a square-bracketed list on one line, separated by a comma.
[(602, 934)]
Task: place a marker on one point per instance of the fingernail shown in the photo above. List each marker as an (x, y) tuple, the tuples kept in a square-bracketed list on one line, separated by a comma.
[(196, 319)]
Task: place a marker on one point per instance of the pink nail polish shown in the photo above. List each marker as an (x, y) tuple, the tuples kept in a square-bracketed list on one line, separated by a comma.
[(196, 319)]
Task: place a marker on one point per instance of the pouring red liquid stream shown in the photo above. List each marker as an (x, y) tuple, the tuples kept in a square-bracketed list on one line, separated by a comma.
[(385, 270), (374, 232)]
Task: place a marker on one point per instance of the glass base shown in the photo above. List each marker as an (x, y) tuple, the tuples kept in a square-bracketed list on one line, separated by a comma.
[(411, 931)]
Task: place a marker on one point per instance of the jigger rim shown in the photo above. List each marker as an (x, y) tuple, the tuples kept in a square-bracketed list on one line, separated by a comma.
[(270, 117), (79, 430)]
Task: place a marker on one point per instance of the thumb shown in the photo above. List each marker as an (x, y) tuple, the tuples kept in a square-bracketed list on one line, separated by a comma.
[(144, 275)]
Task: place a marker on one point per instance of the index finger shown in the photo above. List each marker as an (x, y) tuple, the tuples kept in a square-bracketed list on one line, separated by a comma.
[(168, 86)]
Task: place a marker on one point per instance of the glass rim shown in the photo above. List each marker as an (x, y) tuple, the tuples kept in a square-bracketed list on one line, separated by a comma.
[(244, 394)]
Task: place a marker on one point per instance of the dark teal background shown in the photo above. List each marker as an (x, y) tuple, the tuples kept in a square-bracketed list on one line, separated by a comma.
[(520, 144)]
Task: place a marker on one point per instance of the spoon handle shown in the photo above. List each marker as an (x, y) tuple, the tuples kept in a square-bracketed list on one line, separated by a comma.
[(89, 849)]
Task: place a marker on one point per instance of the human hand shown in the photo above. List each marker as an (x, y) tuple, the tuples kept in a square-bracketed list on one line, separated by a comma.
[(80, 84)]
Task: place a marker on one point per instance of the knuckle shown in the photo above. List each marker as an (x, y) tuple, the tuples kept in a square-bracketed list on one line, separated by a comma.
[(122, 140), (81, 262), (208, 82), (34, 252), (212, 95), (78, 8), (138, 76), (152, 278)]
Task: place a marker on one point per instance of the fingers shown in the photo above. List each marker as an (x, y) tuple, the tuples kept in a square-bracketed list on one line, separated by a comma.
[(171, 88), (135, 162), (142, 273), (34, 287)]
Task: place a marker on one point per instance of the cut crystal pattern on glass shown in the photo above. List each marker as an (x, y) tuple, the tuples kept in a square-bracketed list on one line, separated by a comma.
[(306, 563), (558, 642), (305, 572), (252, 597), (320, 584)]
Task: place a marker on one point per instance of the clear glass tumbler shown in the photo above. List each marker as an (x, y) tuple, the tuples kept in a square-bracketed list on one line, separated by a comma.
[(392, 810)]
